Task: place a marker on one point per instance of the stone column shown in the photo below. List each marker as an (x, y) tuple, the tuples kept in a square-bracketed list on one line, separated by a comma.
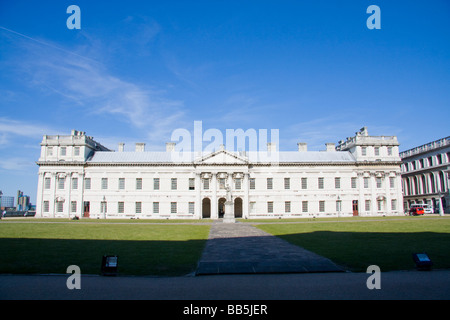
[(198, 197), (214, 206), (246, 200)]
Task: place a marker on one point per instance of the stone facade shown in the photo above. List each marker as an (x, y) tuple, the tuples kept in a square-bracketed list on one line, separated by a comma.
[(425, 174), (80, 177)]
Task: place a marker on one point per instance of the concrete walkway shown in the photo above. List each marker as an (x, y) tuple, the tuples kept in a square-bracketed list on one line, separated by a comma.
[(239, 248)]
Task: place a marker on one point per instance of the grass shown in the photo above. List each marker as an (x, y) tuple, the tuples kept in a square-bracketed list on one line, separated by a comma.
[(142, 249), (356, 244)]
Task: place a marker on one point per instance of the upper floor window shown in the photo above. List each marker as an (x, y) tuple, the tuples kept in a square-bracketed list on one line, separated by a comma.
[(104, 183), (138, 183), (191, 184), (76, 151), (269, 183), (252, 183), (364, 151), (63, 151), (173, 183), (320, 183), (287, 183)]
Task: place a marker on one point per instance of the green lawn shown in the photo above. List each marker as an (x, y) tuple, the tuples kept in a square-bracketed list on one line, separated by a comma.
[(356, 244), (142, 249)]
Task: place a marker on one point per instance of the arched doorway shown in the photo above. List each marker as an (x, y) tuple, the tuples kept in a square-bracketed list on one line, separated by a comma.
[(238, 208), (206, 208), (221, 207)]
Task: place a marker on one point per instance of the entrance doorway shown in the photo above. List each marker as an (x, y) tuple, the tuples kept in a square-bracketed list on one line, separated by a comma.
[(221, 207), (355, 207), (86, 209), (238, 208), (206, 208)]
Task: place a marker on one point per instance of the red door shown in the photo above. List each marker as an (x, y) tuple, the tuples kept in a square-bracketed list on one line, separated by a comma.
[(355, 207), (86, 209)]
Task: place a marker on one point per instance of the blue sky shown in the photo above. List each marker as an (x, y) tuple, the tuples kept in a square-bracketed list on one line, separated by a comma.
[(137, 70)]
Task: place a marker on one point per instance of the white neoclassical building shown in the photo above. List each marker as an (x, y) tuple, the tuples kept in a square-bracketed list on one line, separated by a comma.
[(425, 175), (80, 177)]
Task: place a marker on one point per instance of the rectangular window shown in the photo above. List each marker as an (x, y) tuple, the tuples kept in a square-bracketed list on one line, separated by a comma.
[(49, 151), (205, 184), (73, 206), (191, 207), (138, 183), (337, 183), (252, 183), (269, 183), (173, 207), (155, 207), (392, 182), (269, 207), (367, 205), (59, 206), (338, 206), (46, 206), (191, 183), (389, 151), (304, 206), (354, 181), (120, 207), (87, 183), (173, 183), (138, 207), (287, 183), (221, 183), (74, 183), (155, 183), (61, 183), (377, 151), (321, 206), (238, 184), (304, 183), (121, 183), (63, 151), (47, 182), (76, 151), (320, 182), (379, 185), (103, 207), (366, 182), (393, 204), (364, 151), (287, 206), (104, 183), (380, 205)]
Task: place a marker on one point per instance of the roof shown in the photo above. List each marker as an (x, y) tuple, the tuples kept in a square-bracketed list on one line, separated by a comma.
[(218, 157)]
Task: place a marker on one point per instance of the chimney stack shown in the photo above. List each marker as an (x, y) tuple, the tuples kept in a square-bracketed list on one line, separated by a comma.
[(330, 147), (140, 147), (170, 146), (302, 146), (121, 146)]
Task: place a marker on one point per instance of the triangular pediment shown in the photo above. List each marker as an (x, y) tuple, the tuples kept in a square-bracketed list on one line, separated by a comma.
[(222, 157)]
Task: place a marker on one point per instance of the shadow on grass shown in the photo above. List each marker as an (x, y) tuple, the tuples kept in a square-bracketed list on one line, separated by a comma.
[(390, 251), (166, 258)]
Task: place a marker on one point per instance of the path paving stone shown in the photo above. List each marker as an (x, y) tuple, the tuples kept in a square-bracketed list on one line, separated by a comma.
[(242, 248)]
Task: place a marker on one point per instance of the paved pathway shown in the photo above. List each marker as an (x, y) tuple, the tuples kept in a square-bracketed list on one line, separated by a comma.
[(241, 248)]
